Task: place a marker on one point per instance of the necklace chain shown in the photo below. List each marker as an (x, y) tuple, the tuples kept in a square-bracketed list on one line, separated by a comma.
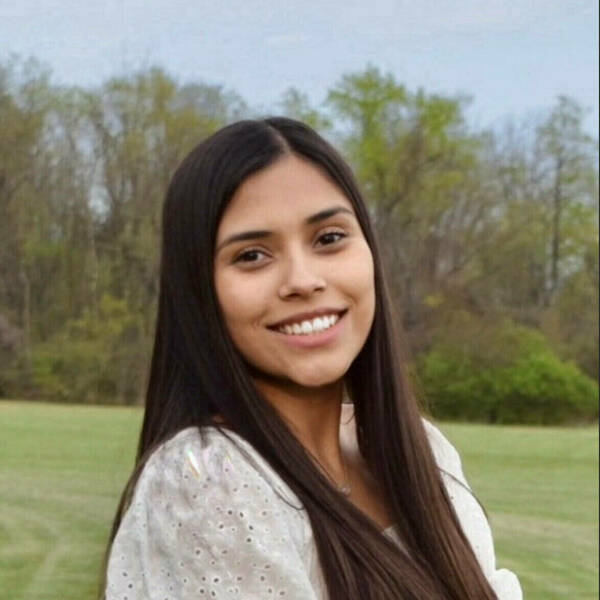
[(345, 487)]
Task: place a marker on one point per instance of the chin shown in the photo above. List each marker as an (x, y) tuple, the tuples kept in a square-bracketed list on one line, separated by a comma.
[(316, 378), (312, 373), (316, 382)]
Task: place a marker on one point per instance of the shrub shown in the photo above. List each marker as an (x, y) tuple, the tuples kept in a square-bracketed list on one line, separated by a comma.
[(96, 358), (527, 383)]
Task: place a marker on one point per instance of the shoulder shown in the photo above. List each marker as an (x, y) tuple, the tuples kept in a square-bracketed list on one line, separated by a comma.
[(217, 472), (206, 508), (206, 520), (471, 515), (191, 455), (466, 506), (199, 462), (445, 454)]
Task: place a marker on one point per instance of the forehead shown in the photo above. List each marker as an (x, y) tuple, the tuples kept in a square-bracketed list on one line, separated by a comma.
[(285, 192)]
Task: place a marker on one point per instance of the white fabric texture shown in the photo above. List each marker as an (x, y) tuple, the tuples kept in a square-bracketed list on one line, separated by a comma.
[(205, 522)]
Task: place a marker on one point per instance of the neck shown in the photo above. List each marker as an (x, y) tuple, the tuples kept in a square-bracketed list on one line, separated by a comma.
[(313, 415)]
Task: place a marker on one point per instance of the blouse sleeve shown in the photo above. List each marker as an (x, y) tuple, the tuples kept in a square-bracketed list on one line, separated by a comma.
[(203, 523), (471, 516)]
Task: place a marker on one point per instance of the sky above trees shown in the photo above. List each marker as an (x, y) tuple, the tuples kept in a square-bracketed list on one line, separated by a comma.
[(513, 58)]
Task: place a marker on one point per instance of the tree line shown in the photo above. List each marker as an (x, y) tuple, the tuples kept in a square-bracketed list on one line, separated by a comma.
[(490, 236)]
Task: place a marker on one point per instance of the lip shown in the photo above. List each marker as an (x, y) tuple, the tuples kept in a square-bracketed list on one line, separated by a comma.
[(313, 340), (307, 316)]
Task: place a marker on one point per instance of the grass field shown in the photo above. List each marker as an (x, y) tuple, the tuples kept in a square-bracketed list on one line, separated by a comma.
[(62, 469)]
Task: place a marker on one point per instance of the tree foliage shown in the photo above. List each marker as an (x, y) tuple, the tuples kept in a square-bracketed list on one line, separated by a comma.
[(500, 226)]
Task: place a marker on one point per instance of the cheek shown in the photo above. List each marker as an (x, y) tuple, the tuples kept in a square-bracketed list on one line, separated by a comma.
[(242, 300), (368, 304), (244, 303), (360, 280)]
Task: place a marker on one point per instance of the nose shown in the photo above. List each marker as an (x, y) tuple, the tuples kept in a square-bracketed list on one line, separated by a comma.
[(300, 278)]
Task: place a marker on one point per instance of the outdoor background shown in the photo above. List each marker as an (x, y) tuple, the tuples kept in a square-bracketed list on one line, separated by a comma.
[(473, 131)]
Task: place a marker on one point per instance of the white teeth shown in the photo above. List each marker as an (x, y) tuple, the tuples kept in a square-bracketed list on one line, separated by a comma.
[(317, 325)]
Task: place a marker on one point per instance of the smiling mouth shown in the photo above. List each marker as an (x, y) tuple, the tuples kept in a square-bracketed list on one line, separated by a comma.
[(312, 326)]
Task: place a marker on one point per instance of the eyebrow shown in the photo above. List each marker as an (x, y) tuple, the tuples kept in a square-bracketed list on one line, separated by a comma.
[(263, 233)]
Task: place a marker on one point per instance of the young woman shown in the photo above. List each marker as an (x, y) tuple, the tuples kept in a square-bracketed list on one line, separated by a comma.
[(282, 453)]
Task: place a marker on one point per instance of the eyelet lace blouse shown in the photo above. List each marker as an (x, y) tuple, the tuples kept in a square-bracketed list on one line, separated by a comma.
[(206, 522)]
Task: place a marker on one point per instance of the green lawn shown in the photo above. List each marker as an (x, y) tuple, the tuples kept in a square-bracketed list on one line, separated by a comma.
[(63, 467)]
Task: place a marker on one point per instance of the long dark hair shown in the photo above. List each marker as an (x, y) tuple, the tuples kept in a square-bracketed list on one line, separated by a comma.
[(196, 373)]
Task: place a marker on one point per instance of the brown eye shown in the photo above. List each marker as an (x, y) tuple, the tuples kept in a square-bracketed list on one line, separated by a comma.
[(249, 256), (331, 237)]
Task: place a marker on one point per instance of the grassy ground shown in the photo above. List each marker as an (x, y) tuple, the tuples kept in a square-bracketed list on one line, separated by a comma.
[(62, 469)]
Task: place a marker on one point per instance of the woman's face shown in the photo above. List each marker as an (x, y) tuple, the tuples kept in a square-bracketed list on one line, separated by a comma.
[(294, 274)]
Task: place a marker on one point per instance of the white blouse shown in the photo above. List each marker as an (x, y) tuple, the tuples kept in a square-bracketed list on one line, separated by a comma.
[(205, 522)]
